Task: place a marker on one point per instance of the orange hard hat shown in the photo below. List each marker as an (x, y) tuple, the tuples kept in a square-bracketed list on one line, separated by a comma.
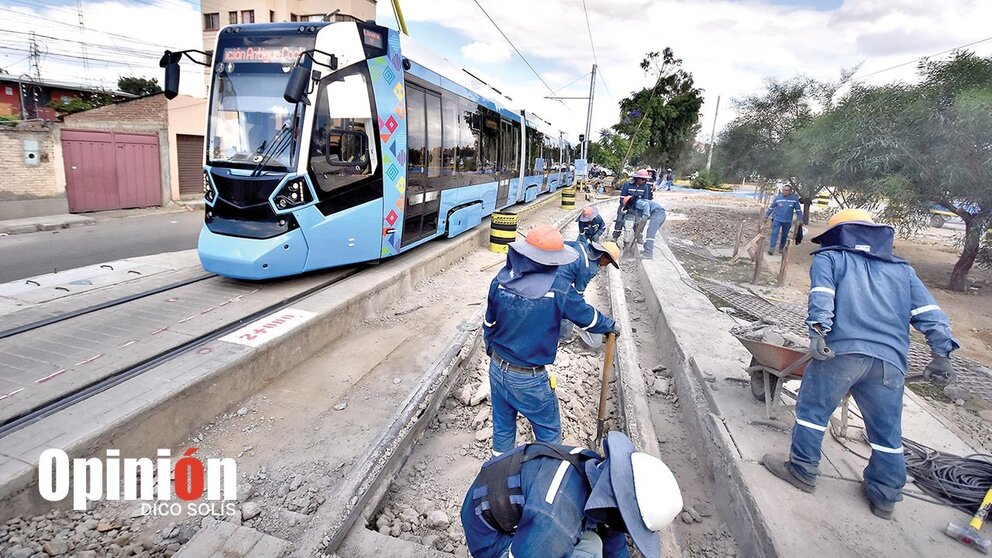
[(545, 245)]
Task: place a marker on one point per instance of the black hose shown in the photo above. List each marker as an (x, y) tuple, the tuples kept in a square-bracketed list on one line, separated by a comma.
[(960, 482)]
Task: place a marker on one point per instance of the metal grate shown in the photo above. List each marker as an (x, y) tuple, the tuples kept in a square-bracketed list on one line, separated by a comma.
[(971, 374)]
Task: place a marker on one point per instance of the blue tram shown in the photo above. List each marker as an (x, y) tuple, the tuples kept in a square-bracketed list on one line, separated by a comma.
[(385, 147)]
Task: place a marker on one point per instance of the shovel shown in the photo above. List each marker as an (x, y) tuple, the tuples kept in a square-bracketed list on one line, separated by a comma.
[(604, 390)]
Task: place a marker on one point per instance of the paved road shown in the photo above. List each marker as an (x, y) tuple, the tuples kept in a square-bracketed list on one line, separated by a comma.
[(27, 255)]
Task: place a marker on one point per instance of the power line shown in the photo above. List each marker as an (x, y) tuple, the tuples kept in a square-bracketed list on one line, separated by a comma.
[(592, 44), (520, 54), (573, 82), (916, 60)]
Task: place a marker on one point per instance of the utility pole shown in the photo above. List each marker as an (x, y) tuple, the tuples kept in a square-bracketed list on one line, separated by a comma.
[(709, 158), (592, 94), (82, 31), (34, 53)]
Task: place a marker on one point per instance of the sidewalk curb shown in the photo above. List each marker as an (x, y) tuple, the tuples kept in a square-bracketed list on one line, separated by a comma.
[(25, 226), (704, 421)]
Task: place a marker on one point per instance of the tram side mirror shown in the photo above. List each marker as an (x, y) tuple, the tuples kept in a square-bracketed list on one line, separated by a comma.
[(171, 88), (347, 148), (296, 87)]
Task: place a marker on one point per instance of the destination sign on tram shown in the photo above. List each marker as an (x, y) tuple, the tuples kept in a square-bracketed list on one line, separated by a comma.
[(262, 54)]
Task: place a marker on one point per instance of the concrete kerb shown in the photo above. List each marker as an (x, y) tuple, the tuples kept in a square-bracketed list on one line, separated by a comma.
[(703, 418), (192, 396), (632, 394), (46, 223)]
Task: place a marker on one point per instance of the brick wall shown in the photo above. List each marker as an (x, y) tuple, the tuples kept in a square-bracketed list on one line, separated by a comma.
[(144, 113), (19, 181)]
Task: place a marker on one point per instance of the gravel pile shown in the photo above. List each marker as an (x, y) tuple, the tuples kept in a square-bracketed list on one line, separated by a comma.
[(422, 507), (92, 534), (772, 333), (711, 226), (279, 502)]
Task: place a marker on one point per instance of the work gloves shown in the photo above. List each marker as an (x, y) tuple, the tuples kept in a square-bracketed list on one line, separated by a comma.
[(818, 347), (616, 329), (940, 371)]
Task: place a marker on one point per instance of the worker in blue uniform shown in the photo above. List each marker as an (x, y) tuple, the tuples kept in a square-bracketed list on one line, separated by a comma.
[(638, 188), (578, 274), (781, 210), (553, 501), (652, 214), (527, 302), (862, 301), (591, 224)]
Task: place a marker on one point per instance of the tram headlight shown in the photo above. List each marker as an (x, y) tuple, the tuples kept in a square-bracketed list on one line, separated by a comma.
[(292, 194), (208, 189)]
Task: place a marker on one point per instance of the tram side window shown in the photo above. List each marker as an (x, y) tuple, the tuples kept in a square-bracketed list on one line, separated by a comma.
[(468, 138), (534, 144), (449, 116), (515, 149), (433, 140), (506, 146), (490, 145), (343, 142)]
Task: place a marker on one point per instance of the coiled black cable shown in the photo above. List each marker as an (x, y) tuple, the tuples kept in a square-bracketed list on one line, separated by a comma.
[(960, 482)]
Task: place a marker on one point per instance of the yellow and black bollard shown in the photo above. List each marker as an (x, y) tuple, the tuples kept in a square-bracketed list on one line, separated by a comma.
[(502, 231), (568, 198)]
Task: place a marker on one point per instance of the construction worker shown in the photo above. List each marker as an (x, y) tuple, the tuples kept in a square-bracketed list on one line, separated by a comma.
[(781, 210), (591, 224), (639, 188), (526, 304), (553, 501), (578, 274), (652, 213), (862, 301)]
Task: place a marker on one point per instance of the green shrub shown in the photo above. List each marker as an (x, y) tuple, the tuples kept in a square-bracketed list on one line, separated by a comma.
[(705, 179)]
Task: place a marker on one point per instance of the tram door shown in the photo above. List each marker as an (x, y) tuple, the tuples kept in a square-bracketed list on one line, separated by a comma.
[(423, 179)]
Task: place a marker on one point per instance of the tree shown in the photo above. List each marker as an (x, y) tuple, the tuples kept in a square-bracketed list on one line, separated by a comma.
[(668, 112), (905, 147), (765, 138), (138, 86), (87, 100)]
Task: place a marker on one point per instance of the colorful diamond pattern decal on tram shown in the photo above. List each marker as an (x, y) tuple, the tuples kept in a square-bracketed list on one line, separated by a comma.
[(387, 85)]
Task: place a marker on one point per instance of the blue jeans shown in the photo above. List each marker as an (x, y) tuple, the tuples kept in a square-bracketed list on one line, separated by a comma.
[(589, 546), (531, 396), (877, 387), (656, 220), (783, 227)]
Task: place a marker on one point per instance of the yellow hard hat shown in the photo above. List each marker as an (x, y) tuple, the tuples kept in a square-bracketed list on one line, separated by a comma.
[(849, 216), (611, 250)]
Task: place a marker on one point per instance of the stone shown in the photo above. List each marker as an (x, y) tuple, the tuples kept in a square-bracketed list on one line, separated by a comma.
[(123, 540), (484, 434), (20, 552), (482, 393), (397, 381), (437, 519), (242, 411), (464, 395), (409, 515), (105, 526), (341, 406), (245, 491), (250, 510), (85, 554), (686, 518), (695, 514), (57, 547), (480, 418), (986, 415)]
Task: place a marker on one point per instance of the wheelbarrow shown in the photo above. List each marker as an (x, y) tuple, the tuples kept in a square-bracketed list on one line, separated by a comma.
[(772, 365)]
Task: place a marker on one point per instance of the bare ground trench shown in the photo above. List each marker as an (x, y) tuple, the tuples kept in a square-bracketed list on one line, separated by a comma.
[(296, 440)]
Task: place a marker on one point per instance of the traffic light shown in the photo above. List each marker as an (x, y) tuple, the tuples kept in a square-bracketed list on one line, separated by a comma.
[(582, 138)]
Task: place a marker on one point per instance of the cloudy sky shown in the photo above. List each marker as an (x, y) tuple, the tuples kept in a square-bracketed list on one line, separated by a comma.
[(730, 46)]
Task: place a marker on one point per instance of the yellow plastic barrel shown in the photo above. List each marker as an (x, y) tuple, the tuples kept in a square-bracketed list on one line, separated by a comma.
[(568, 198), (502, 231), (822, 199)]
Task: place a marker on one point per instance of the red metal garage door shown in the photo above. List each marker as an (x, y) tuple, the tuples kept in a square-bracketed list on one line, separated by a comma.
[(111, 170)]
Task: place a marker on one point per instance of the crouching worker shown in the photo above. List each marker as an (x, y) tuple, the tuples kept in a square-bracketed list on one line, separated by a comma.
[(592, 257), (862, 301), (527, 302), (553, 501), (591, 224)]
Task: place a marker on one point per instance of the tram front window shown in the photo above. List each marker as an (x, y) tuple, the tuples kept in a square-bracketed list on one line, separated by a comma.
[(250, 122), (343, 143)]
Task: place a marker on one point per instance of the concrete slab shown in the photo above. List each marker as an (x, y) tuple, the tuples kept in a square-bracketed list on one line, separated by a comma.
[(226, 540), (768, 517), (44, 223)]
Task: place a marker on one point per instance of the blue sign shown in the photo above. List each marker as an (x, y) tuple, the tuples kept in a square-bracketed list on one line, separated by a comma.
[(581, 169)]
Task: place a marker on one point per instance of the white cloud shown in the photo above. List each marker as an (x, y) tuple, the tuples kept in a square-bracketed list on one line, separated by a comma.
[(730, 46), (486, 53)]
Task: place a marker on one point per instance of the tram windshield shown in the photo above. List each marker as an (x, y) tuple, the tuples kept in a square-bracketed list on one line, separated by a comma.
[(250, 124)]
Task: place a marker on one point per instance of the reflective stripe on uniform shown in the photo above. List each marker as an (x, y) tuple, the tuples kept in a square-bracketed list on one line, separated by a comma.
[(802, 422), (595, 318), (884, 449), (559, 476), (549, 294), (488, 324), (826, 290), (923, 309)]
